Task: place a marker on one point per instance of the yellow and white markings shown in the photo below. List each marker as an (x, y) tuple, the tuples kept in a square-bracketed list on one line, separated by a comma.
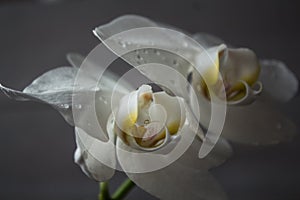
[(147, 120)]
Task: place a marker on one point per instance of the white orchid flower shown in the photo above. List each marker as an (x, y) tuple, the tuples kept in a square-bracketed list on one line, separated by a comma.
[(144, 122), (252, 88)]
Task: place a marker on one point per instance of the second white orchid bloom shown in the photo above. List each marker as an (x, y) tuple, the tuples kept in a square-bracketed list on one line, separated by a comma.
[(252, 88)]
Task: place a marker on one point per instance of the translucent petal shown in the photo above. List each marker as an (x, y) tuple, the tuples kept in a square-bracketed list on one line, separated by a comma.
[(93, 116), (219, 154), (59, 79), (123, 23), (178, 182), (258, 123), (107, 81), (177, 42), (54, 87), (278, 81)]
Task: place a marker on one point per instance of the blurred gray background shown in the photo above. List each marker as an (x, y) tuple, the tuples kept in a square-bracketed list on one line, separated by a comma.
[(37, 145)]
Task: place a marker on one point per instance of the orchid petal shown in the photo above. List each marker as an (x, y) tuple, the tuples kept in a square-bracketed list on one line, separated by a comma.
[(257, 124), (93, 118), (210, 61), (173, 107), (121, 24), (167, 184), (54, 87), (108, 80), (221, 152), (278, 81), (58, 88), (239, 64), (96, 158), (143, 48), (128, 22), (128, 111)]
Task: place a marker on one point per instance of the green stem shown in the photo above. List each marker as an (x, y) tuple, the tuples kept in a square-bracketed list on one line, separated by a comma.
[(123, 190), (104, 191)]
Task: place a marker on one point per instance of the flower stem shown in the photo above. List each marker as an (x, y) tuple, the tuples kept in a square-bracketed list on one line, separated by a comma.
[(104, 191), (123, 190)]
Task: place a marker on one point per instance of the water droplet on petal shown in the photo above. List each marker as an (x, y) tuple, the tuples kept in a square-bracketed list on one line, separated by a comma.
[(156, 52), (122, 44), (185, 44), (78, 106), (66, 106), (145, 51), (103, 99)]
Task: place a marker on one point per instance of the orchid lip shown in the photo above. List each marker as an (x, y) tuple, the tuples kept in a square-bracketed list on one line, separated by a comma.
[(168, 138)]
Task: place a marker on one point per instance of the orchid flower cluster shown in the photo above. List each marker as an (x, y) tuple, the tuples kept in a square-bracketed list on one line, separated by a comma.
[(208, 93)]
